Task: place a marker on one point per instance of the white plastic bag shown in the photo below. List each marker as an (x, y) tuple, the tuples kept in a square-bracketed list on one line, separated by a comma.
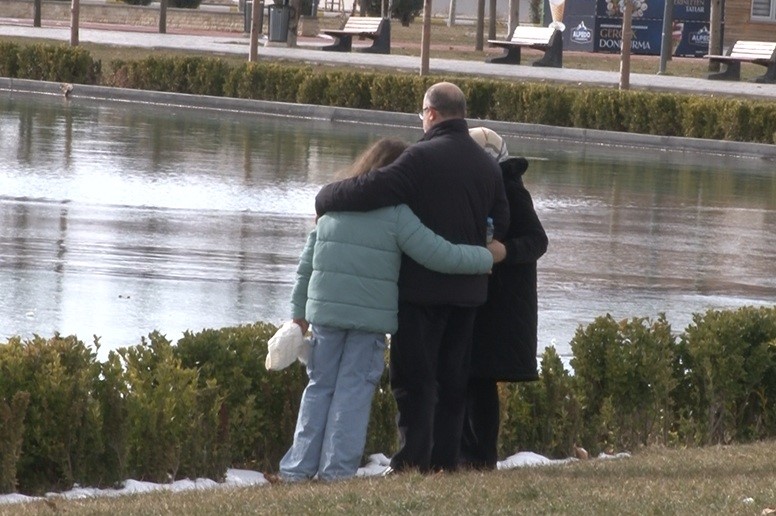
[(284, 347), (304, 350)]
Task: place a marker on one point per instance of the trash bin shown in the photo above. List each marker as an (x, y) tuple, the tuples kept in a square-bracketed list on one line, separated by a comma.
[(279, 17)]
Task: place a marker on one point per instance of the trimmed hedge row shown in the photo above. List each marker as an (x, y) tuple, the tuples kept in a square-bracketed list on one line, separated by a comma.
[(56, 63), (664, 114), (162, 412), (155, 411), (637, 384)]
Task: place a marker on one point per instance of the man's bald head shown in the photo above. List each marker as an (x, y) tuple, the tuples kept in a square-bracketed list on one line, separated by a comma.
[(447, 99)]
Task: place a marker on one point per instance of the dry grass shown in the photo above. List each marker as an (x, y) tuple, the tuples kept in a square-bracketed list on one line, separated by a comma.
[(715, 480)]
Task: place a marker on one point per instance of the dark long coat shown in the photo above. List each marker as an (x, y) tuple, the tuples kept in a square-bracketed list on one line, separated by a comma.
[(504, 347)]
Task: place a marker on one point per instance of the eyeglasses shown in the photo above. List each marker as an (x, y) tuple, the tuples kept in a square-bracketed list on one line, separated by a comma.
[(423, 112)]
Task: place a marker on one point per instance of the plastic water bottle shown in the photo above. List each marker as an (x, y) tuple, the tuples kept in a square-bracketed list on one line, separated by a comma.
[(489, 232)]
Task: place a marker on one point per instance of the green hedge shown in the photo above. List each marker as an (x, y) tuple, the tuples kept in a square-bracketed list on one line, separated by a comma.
[(663, 114), (41, 62), (159, 412)]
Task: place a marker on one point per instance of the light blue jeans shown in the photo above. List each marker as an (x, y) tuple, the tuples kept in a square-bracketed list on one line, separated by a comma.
[(344, 368)]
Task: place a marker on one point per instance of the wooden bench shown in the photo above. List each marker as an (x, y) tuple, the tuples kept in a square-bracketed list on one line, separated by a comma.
[(757, 52), (548, 39), (376, 29)]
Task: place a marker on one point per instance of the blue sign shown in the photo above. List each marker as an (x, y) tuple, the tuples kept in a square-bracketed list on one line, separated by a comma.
[(653, 9), (579, 33), (694, 41), (647, 36)]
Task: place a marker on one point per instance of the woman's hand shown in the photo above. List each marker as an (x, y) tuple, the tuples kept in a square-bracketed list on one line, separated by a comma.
[(302, 324), (498, 251)]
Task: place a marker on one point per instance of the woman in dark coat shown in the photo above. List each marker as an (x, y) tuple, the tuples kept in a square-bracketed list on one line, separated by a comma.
[(504, 343)]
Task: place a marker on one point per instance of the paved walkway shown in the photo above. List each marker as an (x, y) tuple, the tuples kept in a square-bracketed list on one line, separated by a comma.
[(309, 52)]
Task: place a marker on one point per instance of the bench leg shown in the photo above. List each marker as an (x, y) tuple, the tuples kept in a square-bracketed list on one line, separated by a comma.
[(343, 44), (553, 56), (382, 43), (511, 55), (769, 76), (732, 72)]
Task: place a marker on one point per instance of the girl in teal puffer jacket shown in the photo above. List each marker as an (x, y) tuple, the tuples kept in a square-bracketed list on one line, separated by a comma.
[(346, 288)]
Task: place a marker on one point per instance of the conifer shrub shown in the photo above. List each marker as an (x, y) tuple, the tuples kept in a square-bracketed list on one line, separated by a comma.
[(349, 89), (173, 423), (311, 87), (161, 412), (264, 81), (58, 63), (653, 113), (658, 113), (624, 374), (12, 414), (258, 414), (382, 434), (61, 439), (200, 75), (399, 93), (112, 392), (728, 387), (9, 59), (542, 416), (546, 104), (598, 109)]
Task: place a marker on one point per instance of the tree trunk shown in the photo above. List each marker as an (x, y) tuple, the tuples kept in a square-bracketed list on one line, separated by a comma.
[(625, 51), (253, 52), (425, 39), (163, 17), (478, 43), (293, 22), (36, 9), (715, 38), (75, 11), (492, 20)]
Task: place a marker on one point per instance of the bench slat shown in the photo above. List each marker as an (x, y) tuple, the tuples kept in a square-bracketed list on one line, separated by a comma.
[(362, 24), (527, 36), (758, 52)]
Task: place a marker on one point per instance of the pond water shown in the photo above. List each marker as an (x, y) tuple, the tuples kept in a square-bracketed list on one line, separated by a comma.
[(120, 219)]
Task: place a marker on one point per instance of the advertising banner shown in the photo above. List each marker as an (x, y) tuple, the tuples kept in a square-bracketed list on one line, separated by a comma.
[(695, 10), (647, 35), (578, 36), (693, 40), (596, 25)]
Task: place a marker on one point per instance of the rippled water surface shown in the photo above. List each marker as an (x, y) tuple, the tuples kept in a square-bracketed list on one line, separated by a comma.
[(120, 219)]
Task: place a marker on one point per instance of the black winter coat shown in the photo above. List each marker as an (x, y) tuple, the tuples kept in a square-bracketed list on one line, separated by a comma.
[(504, 346), (452, 185)]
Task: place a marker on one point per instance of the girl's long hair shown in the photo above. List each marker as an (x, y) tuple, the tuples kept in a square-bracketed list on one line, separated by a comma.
[(379, 154)]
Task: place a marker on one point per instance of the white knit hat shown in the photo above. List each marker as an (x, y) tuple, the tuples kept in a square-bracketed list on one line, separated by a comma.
[(491, 142)]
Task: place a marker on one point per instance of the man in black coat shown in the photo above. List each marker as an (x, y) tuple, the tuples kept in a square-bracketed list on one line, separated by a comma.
[(452, 185), (504, 343)]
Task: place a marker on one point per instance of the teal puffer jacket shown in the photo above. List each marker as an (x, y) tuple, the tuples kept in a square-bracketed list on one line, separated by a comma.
[(347, 274)]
